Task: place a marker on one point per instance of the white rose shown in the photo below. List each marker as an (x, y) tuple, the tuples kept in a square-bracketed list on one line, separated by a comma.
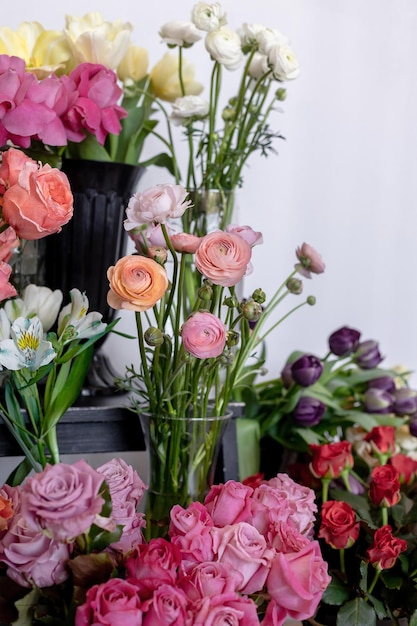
[(283, 63), (208, 16), (188, 106), (258, 66), (179, 33), (224, 46)]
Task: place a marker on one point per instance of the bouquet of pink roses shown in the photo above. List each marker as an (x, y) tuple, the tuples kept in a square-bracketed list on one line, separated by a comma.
[(73, 552)]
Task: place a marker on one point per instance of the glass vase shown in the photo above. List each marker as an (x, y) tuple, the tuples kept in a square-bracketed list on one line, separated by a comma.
[(213, 209), (182, 457)]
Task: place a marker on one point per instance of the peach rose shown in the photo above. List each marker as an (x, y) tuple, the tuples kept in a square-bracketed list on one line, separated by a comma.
[(136, 283), (223, 258), (6, 288), (39, 203), (8, 241), (12, 164)]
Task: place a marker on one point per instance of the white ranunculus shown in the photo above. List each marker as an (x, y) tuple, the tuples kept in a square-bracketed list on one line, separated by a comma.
[(270, 37), (95, 41), (283, 63), (258, 66), (188, 106), (207, 16), (225, 47), (179, 33), (250, 33)]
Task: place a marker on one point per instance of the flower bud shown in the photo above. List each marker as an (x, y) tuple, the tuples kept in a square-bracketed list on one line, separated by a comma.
[(311, 300), (259, 296), (226, 358), (206, 291), (158, 254), (378, 401), (154, 336), (232, 338), (383, 382), (229, 114), (286, 376), (251, 310), (308, 411), (294, 285), (405, 401), (344, 341), (306, 370), (367, 355), (281, 94), (231, 302)]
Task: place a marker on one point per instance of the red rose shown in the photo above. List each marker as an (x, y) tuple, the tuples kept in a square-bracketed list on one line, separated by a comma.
[(339, 527), (384, 489), (386, 548), (382, 439), (406, 466), (331, 459)]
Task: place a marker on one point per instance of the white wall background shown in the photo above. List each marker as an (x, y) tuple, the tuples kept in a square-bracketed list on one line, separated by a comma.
[(345, 179)]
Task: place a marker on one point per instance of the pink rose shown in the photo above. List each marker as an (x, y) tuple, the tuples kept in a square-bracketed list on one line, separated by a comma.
[(153, 564), (253, 237), (115, 602), (156, 205), (245, 550), (204, 335), (123, 481), (132, 533), (63, 500), (227, 609), (12, 163), (40, 202), (229, 503), (167, 607), (310, 261), (209, 579), (285, 538), (185, 242), (8, 241), (7, 290), (274, 615), (297, 580), (193, 520), (32, 557), (223, 258)]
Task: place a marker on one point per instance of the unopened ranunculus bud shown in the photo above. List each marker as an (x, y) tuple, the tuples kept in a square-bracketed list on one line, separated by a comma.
[(378, 401), (232, 338), (367, 354), (405, 402), (206, 291), (294, 285), (233, 101), (311, 300), (226, 358), (251, 310), (281, 94), (344, 341), (308, 411), (306, 370), (231, 302), (229, 114), (187, 357), (259, 296), (154, 336), (158, 254)]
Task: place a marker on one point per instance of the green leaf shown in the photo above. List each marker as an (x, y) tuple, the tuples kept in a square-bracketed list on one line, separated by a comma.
[(163, 160), (413, 619), (357, 612), (336, 593)]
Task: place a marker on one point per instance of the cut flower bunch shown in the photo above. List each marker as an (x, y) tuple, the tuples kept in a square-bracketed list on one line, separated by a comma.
[(72, 552)]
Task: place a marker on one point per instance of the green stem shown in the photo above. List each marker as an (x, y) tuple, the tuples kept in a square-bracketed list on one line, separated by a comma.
[(374, 581)]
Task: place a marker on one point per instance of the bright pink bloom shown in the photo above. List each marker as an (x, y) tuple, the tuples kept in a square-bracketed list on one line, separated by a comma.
[(167, 607), (209, 579), (204, 335), (229, 503), (227, 608), (185, 242), (114, 602), (153, 564), (7, 290), (223, 258), (253, 237)]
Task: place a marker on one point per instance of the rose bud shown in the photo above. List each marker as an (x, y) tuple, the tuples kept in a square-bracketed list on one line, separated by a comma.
[(344, 341), (382, 439), (406, 466), (367, 354), (308, 411), (339, 527), (378, 401), (306, 370), (405, 401), (331, 459), (384, 489), (386, 548), (383, 382)]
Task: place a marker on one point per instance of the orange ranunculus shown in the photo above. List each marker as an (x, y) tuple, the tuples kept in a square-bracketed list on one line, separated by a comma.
[(39, 203), (136, 283), (223, 258), (6, 512)]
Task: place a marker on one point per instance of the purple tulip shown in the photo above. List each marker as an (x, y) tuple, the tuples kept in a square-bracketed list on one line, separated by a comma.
[(413, 427), (344, 341), (367, 354), (383, 382), (378, 401), (405, 402), (286, 376), (306, 370), (308, 411)]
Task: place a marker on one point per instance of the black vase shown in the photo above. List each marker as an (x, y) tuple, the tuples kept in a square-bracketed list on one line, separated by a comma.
[(94, 238)]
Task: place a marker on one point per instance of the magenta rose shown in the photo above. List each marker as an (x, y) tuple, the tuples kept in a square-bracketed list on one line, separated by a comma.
[(167, 607), (285, 538), (115, 602), (227, 609), (297, 580), (153, 564), (204, 335), (209, 579), (156, 205), (229, 503), (63, 500), (223, 258), (193, 520), (245, 550)]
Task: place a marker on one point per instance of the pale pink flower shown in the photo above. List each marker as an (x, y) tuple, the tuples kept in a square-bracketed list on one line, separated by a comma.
[(229, 503), (124, 482), (7, 290), (247, 233), (8, 241), (310, 261), (204, 335), (185, 242), (226, 608), (156, 205), (209, 579), (223, 258)]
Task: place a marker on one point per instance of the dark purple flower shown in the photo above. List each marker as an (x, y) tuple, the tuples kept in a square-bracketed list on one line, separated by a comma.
[(308, 411), (383, 382), (413, 427), (306, 370), (405, 402), (344, 341), (378, 401), (286, 376), (367, 354)]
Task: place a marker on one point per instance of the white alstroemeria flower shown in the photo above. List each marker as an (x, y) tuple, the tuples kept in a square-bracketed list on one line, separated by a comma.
[(179, 34), (26, 348), (93, 40), (188, 106), (4, 325), (283, 63), (36, 300), (225, 47), (75, 323), (207, 16)]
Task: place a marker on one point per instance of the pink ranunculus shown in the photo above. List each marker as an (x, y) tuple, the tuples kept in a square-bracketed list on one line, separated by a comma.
[(153, 564), (39, 203), (204, 335), (114, 602), (32, 557), (7, 290), (156, 205), (227, 609), (95, 110), (124, 482), (223, 258), (209, 579), (8, 241), (253, 237), (63, 500), (185, 242), (297, 580), (167, 607), (310, 261), (229, 503), (245, 550)]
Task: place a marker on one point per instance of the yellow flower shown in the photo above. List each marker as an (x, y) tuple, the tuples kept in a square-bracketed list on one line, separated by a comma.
[(44, 51), (134, 65), (164, 79)]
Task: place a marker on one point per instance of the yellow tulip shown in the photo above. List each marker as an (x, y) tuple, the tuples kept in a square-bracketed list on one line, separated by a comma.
[(164, 79), (134, 65)]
